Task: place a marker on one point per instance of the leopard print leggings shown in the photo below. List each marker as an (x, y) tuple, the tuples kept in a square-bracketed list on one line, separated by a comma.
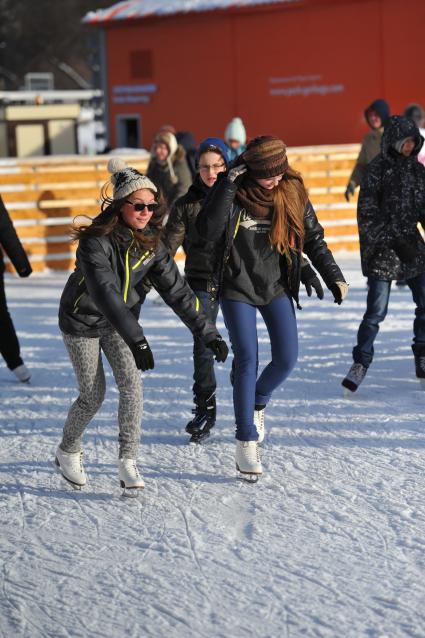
[(85, 355)]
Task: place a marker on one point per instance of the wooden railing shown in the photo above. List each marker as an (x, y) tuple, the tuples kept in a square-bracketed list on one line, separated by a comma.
[(43, 195)]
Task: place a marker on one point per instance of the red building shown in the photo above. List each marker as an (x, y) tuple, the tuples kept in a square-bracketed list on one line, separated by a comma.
[(300, 69)]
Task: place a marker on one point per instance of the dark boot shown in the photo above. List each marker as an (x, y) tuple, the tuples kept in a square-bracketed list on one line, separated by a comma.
[(204, 418), (420, 363)]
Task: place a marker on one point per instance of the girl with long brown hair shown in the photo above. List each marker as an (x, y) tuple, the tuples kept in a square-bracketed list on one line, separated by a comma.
[(99, 312), (261, 220)]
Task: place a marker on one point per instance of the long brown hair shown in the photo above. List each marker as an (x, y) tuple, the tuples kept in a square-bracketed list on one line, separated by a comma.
[(106, 223), (289, 199)]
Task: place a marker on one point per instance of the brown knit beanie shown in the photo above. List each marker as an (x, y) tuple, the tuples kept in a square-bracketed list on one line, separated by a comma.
[(265, 157)]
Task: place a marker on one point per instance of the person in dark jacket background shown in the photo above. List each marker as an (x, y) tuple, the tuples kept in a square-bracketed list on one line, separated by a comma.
[(9, 344), (187, 141), (180, 230), (391, 203), (376, 116), (168, 168), (99, 311), (260, 219)]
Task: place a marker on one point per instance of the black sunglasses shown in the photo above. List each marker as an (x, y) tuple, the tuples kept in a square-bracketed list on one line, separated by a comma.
[(139, 206)]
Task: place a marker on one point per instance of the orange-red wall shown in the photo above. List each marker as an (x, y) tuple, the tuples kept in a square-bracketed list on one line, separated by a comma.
[(209, 67)]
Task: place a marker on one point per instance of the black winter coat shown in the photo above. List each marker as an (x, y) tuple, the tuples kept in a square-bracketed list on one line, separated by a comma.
[(180, 230), (391, 203), (218, 221), (106, 289), (9, 242)]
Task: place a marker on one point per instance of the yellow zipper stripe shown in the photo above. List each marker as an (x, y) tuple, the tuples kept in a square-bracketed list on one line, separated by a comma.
[(237, 226), (77, 300), (81, 281), (197, 305), (141, 259), (127, 272)]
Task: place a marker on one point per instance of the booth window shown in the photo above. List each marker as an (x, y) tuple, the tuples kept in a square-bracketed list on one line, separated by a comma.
[(141, 65)]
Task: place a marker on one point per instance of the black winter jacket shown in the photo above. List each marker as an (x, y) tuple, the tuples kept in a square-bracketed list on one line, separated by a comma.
[(11, 245), (180, 230), (218, 221), (391, 203), (106, 289)]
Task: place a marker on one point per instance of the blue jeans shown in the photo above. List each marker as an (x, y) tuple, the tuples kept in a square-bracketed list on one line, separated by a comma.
[(241, 322), (203, 358), (376, 310)]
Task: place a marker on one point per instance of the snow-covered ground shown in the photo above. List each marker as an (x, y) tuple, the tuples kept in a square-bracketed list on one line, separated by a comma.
[(330, 542)]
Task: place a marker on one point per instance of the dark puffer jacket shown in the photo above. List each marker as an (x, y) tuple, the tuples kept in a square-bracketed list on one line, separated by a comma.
[(391, 203), (9, 242), (180, 230), (219, 219), (106, 289)]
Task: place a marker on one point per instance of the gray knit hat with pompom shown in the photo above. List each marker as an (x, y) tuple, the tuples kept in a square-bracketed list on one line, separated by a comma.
[(126, 179)]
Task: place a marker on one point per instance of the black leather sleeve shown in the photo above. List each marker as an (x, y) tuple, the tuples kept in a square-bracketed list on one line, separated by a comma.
[(317, 249), (211, 220), (11, 243), (175, 291)]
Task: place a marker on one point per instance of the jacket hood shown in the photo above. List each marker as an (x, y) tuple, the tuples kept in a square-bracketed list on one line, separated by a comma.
[(186, 139), (382, 108), (398, 128), (235, 130)]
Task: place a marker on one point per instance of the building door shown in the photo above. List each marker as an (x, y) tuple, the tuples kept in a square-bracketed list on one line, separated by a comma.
[(128, 131)]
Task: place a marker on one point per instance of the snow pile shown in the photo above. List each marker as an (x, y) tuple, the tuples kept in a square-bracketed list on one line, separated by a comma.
[(329, 543)]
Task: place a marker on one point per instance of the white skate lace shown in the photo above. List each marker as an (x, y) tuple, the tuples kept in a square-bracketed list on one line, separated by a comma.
[(260, 416), (77, 462), (252, 452)]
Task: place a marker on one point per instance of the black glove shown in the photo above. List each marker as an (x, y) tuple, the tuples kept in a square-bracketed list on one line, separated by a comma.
[(311, 280), (405, 249), (143, 355), (339, 290), (220, 349), (349, 191)]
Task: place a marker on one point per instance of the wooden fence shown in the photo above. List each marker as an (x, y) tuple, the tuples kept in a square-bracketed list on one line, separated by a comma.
[(43, 195)]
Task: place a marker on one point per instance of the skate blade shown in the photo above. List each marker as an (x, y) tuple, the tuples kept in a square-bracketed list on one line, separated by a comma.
[(348, 394), (131, 492), (76, 486), (248, 477), (199, 439)]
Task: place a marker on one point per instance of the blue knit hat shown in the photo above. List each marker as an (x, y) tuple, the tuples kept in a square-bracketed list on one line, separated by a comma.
[(214, 145)]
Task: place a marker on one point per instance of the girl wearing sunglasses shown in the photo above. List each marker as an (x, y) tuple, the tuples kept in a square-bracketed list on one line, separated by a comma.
[(99, 311)]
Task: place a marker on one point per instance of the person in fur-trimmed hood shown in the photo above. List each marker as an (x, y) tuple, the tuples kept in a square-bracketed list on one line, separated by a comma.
[(168, 168), (391, 203)]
